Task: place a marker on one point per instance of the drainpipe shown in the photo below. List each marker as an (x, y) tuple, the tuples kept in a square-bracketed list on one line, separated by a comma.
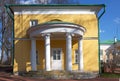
[(11, 15), (8, 9), (99, 39)]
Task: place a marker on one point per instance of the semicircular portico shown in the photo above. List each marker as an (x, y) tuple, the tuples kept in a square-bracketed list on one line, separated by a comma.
[(57, 29)]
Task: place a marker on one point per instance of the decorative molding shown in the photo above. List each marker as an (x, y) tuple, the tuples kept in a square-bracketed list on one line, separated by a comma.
[(90, 38), (55, 11), (56, 28)]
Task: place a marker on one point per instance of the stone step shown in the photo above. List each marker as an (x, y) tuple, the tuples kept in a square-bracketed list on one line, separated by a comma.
[(60, 74)]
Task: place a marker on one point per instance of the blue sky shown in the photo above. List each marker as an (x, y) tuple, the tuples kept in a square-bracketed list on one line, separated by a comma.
[(110, 21)]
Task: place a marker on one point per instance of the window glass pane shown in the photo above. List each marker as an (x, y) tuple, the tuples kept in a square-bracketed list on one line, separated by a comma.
[(58, 51), (101, 52), (76, 51), (76, 56), (37, 58), (54, 52), (58, 56), (33, 22), (54, 56)]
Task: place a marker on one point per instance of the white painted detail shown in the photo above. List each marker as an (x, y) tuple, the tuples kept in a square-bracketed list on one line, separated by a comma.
[(56, 30), (105, 46), (80, 56), (33, 22), (68, 52), (47, 52), (33, 55), (38, 30), (56, 59), (55, 11)]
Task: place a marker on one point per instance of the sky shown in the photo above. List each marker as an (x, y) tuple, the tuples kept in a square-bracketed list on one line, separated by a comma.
[(110, 22)]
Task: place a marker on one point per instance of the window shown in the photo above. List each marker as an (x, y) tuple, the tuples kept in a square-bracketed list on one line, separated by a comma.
[(101, 52), (37, 58), (56, 54), (33, 22), (76, 56)]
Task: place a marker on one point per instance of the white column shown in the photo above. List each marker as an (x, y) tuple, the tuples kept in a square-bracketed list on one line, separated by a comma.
[(47, 52), (80, 55), (33, 55), (68, 52)]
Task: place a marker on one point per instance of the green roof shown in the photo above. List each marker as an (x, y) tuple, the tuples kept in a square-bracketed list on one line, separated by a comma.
[(107, 42), (7, 5), (57, 21)]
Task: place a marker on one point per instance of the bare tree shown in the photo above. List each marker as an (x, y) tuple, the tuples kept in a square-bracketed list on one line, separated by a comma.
[(59, 1)]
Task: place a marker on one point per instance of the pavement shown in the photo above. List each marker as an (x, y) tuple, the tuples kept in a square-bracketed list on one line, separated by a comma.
[(9, 77)]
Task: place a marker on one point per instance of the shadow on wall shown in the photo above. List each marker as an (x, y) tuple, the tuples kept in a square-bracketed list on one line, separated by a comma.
[(22, 55)]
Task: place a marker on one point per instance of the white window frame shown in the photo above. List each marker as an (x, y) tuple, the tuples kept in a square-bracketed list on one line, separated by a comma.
[(60, 53), (33, 22)]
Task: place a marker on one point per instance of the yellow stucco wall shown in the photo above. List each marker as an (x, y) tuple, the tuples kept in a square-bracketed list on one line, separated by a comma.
[(22, 47)]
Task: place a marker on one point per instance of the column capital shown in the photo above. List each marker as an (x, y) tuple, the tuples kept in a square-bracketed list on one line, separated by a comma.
[(32, 38), (46, 34), (80, 38), (69, 34)]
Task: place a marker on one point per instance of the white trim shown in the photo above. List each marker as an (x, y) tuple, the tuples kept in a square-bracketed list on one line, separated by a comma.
[(56, 28), (55, 11), (65, 9)]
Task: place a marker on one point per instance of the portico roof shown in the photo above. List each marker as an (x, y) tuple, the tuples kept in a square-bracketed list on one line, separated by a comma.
[(56, 27)]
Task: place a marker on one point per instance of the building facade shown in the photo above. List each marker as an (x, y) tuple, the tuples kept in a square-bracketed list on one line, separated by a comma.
[(103, 50), (55, 37), (110, 56)]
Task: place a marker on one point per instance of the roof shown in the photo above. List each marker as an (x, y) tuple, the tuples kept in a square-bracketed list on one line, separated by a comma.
[(54, 5), (108, 42)]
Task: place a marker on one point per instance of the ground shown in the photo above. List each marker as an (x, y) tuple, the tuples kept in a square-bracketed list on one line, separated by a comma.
[(8, 77)]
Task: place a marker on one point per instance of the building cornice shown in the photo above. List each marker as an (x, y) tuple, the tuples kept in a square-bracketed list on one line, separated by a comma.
[(55, 9)]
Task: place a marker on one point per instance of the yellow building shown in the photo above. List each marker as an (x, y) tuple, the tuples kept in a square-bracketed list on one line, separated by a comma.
[(56, 37)]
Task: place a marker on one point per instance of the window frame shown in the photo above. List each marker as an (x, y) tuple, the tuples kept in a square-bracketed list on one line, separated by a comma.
[(33, 22), (57, 56)]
